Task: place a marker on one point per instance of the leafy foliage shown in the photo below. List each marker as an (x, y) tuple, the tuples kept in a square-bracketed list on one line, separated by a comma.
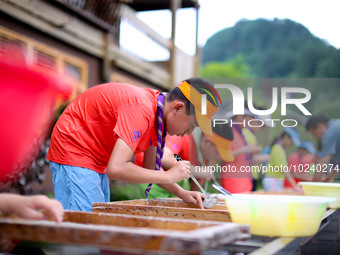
[(235, 68), (125, 191), (278, 48)]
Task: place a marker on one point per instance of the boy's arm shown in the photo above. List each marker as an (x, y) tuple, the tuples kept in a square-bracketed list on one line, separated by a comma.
[(120, 167), (168, 158)]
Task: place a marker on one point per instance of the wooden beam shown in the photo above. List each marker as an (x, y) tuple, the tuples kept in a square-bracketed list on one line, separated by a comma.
[(174, 5), (56, 23)]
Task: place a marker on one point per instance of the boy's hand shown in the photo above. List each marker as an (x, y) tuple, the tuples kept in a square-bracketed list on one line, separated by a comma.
[(194, 197), (31, 207), (180, 171)]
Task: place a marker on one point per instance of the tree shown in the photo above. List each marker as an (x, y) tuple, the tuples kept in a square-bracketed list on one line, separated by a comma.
[(274, 48), (234, 68)]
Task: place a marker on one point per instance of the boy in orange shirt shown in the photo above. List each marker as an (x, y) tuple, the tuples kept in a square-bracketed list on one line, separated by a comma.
[(98, 133), (239, 181)]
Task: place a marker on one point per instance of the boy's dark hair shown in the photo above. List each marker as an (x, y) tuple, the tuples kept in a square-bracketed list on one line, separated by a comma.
[(176, 94), (314, 120), (200, 85)]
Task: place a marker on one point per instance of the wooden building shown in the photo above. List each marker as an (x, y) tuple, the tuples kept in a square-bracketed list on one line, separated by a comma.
[(82, 39)]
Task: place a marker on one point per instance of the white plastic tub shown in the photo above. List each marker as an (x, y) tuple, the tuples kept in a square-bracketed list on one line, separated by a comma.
[(323, 189), (271, 215)]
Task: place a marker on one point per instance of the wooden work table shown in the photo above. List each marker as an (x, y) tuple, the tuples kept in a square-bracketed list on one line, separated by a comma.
[(163, 227), (128, 233), (255, 245)]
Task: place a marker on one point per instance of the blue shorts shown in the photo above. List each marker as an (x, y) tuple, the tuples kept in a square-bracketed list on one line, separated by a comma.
[(77, 187)]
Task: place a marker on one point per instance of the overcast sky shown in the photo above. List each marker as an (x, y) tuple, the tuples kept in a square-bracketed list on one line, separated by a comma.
[(320, 17)]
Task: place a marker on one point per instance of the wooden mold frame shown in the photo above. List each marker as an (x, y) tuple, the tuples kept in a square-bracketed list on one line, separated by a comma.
[(170, 208), (126, 232)]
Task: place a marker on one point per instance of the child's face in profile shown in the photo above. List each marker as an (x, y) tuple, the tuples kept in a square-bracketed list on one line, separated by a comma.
[(179, 123)]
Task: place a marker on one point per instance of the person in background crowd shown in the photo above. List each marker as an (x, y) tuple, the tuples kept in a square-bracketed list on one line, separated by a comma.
[(300, 162), (210, 151), (239, 182), (327, 132), (249, 134), (278, 165)]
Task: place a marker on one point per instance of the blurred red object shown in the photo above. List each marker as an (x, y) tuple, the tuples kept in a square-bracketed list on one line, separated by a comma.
[(27, 101)]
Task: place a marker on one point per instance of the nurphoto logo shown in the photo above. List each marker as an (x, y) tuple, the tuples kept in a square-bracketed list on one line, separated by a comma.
[(286, 99)]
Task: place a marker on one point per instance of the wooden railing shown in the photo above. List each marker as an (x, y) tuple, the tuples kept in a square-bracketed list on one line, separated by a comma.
[(183, 63), (130, 15)]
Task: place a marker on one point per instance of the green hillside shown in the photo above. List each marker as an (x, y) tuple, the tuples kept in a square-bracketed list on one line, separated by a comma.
[(277, 48)]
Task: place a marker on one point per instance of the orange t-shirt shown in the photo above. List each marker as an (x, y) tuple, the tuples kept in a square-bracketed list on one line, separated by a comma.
[(88, 129), (237, 182), (177, 144)]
